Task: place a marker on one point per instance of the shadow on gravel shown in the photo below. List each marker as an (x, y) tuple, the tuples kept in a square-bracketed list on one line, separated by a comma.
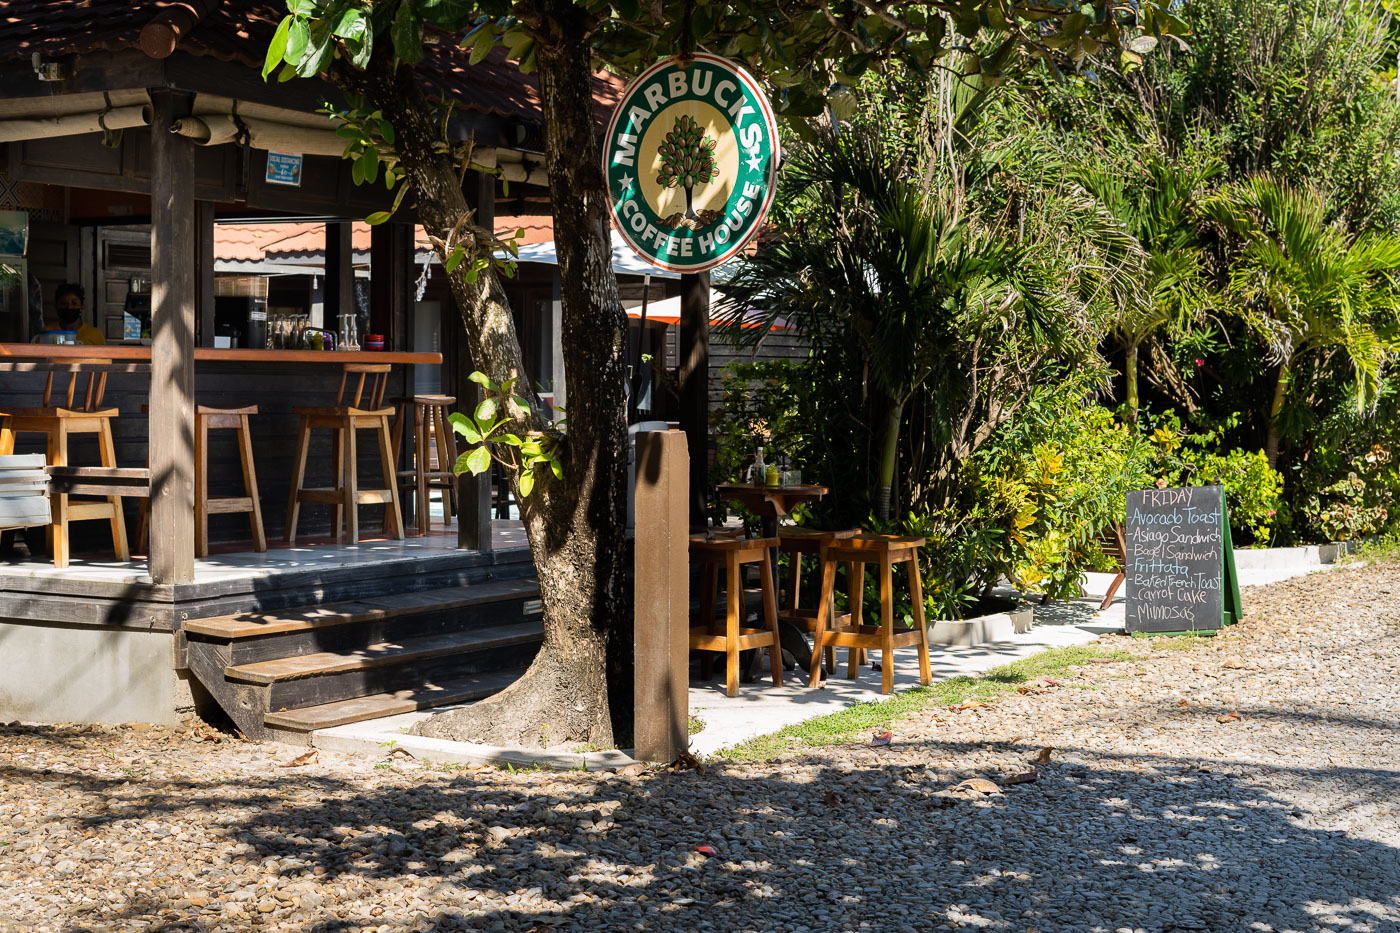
[(1188, 844)]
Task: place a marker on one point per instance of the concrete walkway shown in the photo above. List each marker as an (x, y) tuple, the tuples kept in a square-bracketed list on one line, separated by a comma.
[(761, 708)]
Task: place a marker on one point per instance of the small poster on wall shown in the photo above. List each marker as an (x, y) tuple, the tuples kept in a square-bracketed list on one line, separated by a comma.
[(14, 232)]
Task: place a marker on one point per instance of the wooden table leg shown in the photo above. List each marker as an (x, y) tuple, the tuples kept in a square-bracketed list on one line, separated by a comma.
[(916, 590), (825, 603), (855, 598), (770, 614), (886, 624), (733, 591), (709, 596)]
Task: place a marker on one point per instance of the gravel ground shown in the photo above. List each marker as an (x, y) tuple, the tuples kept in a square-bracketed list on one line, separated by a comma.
[(1151, 813)]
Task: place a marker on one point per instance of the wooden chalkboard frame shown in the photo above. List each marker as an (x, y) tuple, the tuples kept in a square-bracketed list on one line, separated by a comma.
[(1232, 607)]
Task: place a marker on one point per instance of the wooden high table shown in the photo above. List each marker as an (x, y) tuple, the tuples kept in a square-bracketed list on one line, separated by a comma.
[(769, 503)]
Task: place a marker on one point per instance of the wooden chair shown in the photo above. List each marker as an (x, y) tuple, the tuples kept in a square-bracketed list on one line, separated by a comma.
[(434, 453), (208, 419), (1117, 549), (78, 414), (797, 542), (856, 552), (364, 411), (733, 554)]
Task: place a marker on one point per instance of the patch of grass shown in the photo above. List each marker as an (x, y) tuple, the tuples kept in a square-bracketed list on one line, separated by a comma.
[(1379, 550), (857, 722), (696, 725)]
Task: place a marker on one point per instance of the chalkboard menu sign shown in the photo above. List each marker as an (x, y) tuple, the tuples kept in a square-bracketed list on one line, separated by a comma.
[(1180, 562)]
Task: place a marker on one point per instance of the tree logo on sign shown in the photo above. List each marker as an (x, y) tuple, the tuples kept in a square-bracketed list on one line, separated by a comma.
[(688, 159), (691, 162)]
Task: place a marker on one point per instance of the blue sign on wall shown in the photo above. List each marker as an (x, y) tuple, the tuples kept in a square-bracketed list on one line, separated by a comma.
[(283, 168)]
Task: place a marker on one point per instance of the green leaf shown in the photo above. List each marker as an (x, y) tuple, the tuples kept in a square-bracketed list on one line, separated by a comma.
[(350, 24), (464, 427), (386, 129), (530, 448), (454, 258), (480, 51), (277, 48), (297, 38), (557, 469), (486, 410), (407, 33), (478, 460), (511, 439), (377, 218), (527, 483), (483, 380), (520, 403)]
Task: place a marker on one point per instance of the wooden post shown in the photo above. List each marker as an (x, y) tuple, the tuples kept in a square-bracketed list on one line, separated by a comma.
[(694, 377), (204, 263), (474, 492), (173, 294), (661, 617), (339, 288)]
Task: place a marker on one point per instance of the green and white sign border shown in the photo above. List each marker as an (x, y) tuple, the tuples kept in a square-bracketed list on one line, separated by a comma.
[(753, 93)]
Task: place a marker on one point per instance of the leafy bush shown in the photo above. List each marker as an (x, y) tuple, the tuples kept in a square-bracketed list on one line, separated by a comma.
[(1057, 476), (1253, 490), (1359, 505)]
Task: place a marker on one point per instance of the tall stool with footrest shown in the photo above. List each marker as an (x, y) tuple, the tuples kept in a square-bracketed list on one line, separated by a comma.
[(732, 554), (206, 419), (797, 542), (434, 453), (856, 552), (363, 410), (58, 422)]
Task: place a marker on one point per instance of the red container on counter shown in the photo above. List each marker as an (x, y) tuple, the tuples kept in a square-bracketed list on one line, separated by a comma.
[(374, 341)]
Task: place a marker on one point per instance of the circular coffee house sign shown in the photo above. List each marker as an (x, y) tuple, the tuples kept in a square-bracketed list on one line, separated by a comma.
[(691, 160)]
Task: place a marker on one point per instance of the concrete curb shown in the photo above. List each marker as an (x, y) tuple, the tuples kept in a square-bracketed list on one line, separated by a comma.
[(383, 737)]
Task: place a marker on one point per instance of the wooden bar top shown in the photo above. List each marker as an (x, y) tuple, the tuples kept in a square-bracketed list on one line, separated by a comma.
[(60, 352)]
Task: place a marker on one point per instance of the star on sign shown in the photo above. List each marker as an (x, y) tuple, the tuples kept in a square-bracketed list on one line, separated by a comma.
[(626, 182), (755, 160)]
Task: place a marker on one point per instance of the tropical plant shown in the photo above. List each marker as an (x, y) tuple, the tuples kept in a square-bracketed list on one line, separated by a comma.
[(1158, 208), (1304, 285), (935, 306)]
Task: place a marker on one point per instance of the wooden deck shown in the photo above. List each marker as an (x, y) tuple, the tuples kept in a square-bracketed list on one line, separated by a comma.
[(97, 591)]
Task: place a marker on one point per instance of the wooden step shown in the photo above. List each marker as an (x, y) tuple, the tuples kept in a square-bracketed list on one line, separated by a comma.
[(359, 709), (254, 624), (382, 654)]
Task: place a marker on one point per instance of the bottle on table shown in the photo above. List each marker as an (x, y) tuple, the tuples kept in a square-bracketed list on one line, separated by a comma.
[(758, 473)]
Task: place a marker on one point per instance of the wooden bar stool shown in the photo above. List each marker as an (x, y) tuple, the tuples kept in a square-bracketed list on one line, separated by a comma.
[(796, 541), (206, 419), (856, 552), (434, 453), (733, 554), (364, 411), (78, 414)]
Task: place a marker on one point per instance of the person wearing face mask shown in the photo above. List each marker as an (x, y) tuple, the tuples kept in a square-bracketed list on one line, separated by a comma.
[(68, 302)]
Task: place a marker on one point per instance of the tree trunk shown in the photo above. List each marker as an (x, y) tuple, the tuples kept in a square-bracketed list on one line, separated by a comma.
[(889, 454), (1130, 374), (1272, 442), (574, 525)]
